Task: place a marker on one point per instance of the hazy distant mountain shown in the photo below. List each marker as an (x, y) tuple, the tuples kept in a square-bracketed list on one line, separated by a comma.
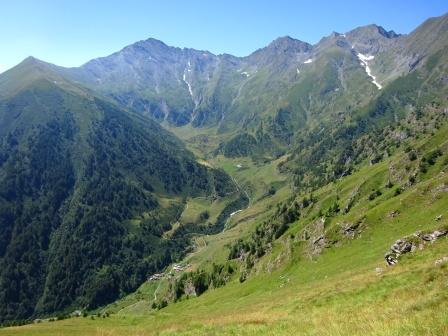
[(268, 95)]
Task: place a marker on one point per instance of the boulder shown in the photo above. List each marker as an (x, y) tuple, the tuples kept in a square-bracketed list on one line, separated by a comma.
[(317, 245), (441, 261), (412, 243), (391, 258), (429, 237), (402, 246), (350, 229), (394, 214)]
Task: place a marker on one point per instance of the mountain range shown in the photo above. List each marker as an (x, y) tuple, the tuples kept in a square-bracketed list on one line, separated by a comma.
[(262, 99), (98, 163)]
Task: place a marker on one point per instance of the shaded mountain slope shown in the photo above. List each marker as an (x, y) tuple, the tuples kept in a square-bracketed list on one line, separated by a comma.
[(82, 185)]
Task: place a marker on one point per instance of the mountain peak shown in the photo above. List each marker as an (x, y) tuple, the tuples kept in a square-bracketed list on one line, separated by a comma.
[(150, 44), (31, 60), (373, 31), (285, 38), (287, 43), (334, 39), (372, 38), (388, 34), (153, 41), (278, 49), (25, 73), (29, 66)]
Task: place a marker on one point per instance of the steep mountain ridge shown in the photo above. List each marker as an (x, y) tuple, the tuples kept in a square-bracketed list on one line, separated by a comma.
[(262, 100), (87, 191)]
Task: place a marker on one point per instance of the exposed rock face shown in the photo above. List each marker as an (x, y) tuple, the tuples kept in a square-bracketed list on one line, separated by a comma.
[(189, 289), (316, 238), (372, 39), (354, 195), (305, 235), (349, 230), (318, 245), (411, 243)]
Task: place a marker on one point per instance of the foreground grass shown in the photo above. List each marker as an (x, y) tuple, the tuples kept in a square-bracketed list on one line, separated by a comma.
[(408, 299)]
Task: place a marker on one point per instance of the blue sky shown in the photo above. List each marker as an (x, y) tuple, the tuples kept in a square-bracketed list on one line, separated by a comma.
[(70, 33)]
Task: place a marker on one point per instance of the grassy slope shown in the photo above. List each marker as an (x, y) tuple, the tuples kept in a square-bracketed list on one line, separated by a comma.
[(212, 248), (409, 298), (338, 293)]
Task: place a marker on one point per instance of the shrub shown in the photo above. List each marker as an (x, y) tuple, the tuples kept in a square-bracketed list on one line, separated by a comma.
[(272, 190), (375, 194), (61, 317), (412, 156), (203, 216), (162, 304), (423, 167), (432, 156)]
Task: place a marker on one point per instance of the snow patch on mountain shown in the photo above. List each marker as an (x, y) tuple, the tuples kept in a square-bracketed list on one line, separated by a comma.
[(188, 84), (364, 61), (184, 78), (308, 61), (365, 58)]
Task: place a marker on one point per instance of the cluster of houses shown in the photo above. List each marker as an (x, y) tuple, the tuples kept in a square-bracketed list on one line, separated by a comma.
[(155, 277), (176, 269)]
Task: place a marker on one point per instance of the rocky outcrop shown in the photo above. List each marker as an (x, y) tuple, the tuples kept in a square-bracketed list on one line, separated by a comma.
[(350, 230), (429, 237), (441, 261), (315, 235), (317, 245), (189, 288), (401, 246), (411, 243)]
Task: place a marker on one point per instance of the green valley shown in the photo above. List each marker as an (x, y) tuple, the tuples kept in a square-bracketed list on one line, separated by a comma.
[(299, 190)]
